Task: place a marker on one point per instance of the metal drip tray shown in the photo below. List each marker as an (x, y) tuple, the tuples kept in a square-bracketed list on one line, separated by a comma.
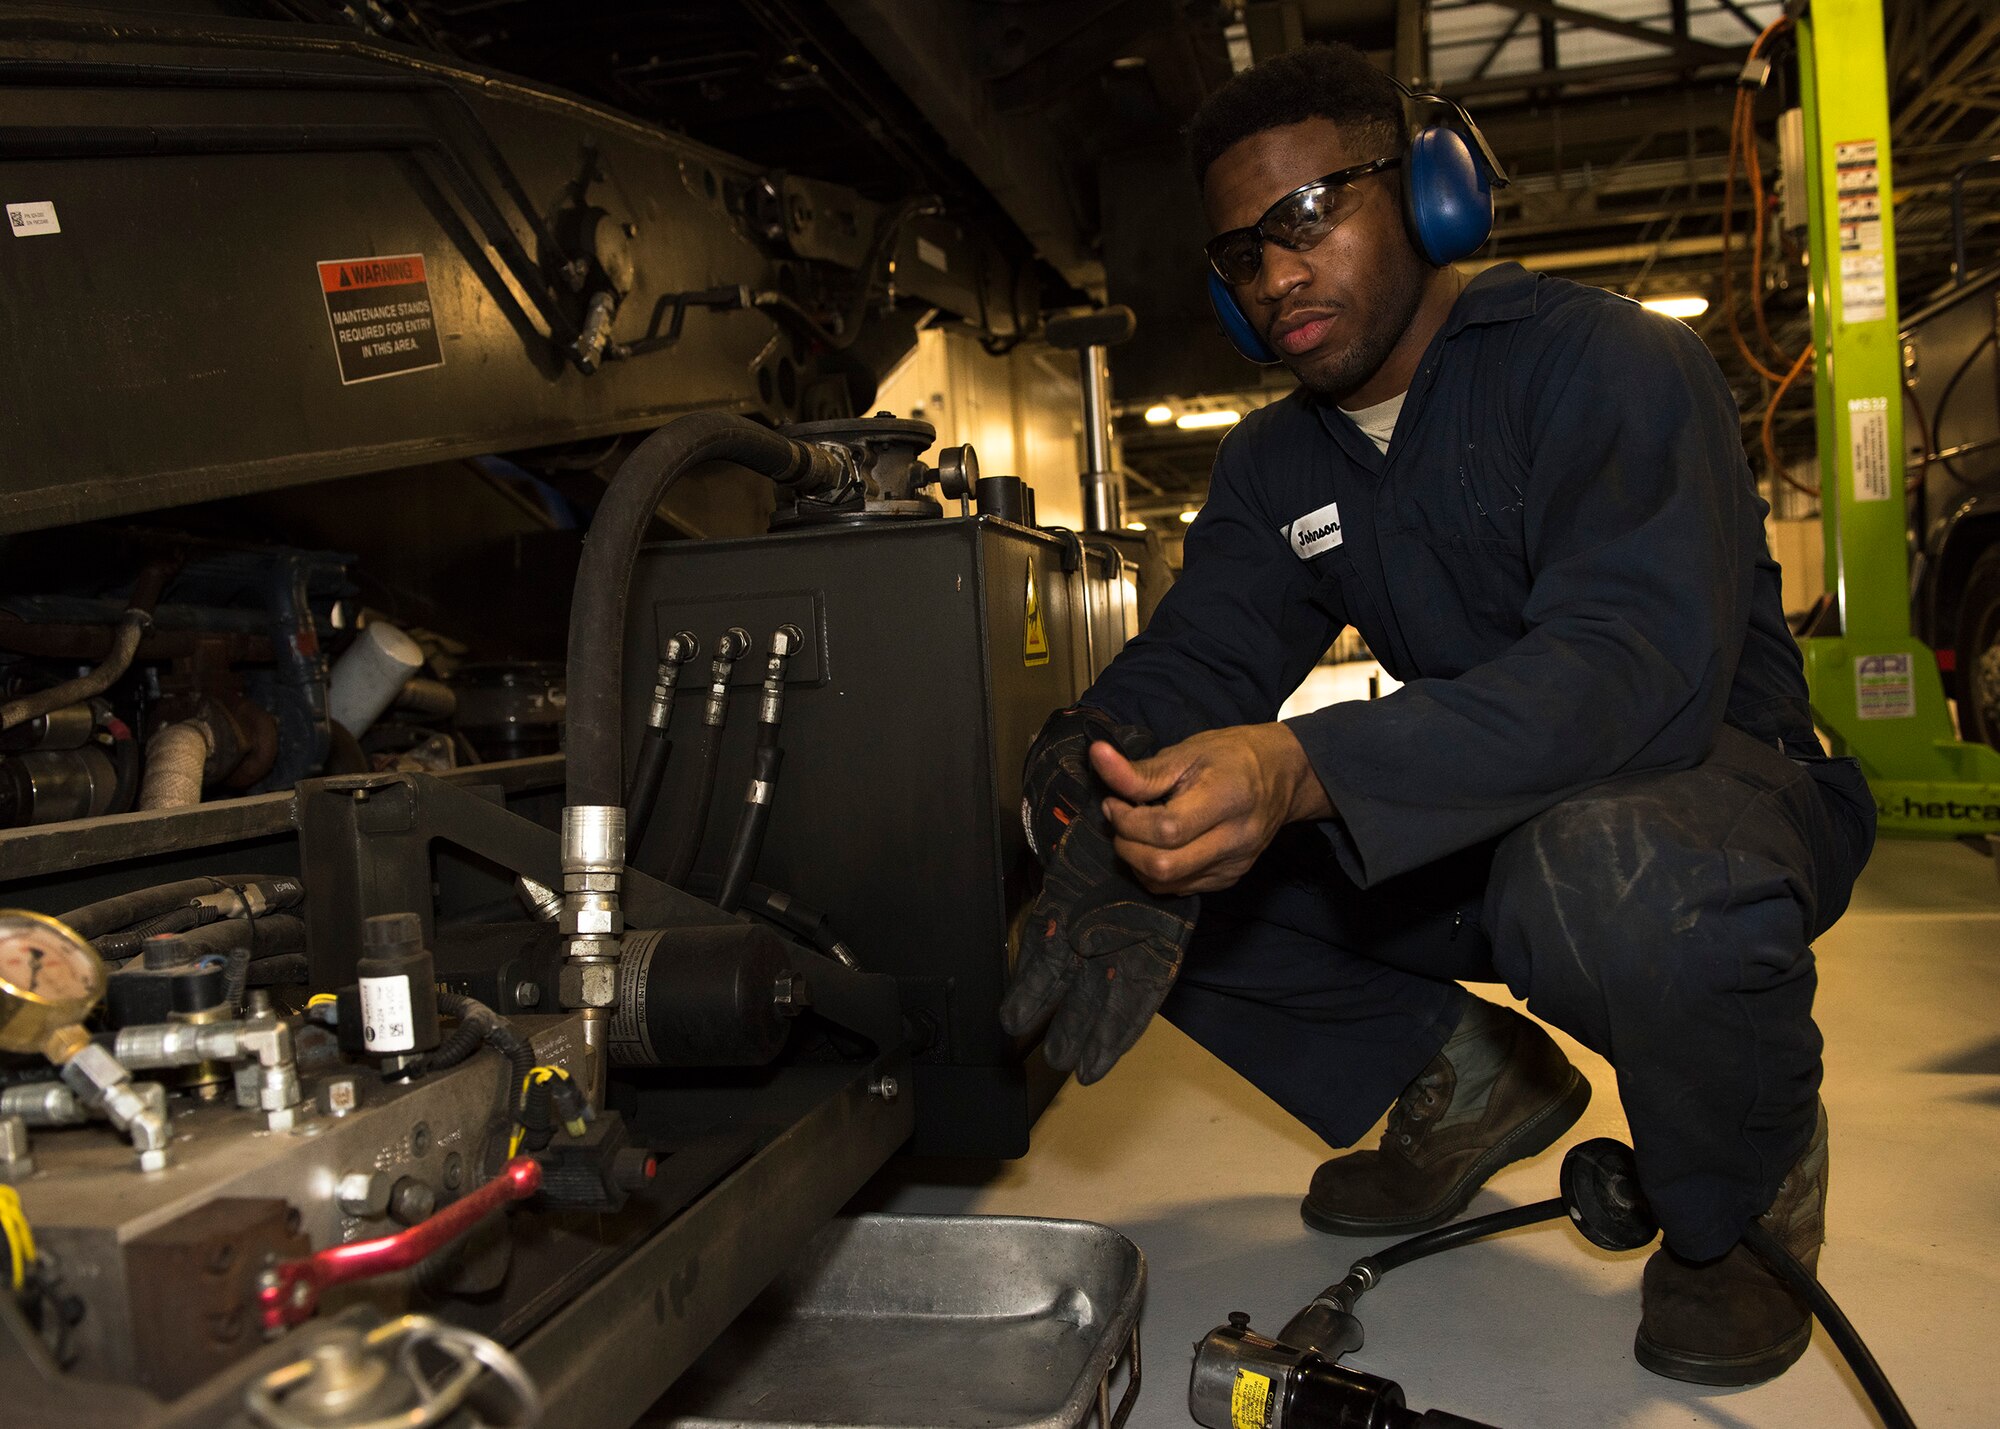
[(930, 1322)]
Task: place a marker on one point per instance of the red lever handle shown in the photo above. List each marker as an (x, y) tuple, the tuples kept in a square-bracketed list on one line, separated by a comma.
[(291, 1289)]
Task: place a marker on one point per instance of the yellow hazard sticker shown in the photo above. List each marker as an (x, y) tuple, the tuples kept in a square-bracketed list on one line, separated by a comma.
[(1034, 634), (1251, 1401)]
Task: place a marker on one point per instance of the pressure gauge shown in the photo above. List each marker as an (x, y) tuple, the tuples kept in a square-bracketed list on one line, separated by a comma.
[(49, 978)]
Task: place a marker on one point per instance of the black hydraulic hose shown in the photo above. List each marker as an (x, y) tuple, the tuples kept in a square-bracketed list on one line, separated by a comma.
[(655, 748), (281, 971), (748, 842), (1462, 1233), (801, 920), (1803, 1284), (596, 675), (730, 648), (1944, 401), (94, 920), (750, 825)]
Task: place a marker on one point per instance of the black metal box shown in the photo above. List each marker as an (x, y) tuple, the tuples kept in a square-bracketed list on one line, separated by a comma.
[(934, 651)]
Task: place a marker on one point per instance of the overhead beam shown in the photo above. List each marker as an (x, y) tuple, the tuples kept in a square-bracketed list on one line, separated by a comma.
[(1691, 50), (1549, 79)]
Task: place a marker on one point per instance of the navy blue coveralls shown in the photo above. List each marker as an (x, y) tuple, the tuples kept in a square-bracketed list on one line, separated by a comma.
[(1599, 782)]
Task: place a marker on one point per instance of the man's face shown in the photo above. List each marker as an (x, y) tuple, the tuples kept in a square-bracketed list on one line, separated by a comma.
[(1332, 314)]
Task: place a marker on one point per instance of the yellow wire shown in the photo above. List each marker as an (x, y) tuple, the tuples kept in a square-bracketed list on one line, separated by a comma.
[(535, 1074), (20, 1236), (320, 998)]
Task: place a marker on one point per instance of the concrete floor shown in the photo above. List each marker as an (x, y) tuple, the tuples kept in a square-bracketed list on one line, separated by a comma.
[(1535, 1329)]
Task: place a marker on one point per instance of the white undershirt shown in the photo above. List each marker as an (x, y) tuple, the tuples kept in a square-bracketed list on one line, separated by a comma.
[(1378, 422)]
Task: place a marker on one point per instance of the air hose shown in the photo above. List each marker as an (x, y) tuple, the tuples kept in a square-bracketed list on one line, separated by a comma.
[(1600, 1195)]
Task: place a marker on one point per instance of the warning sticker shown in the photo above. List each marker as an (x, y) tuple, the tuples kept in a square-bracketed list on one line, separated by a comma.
[(1253, 1401), (1868, 437), (1864, 288), (1884, 687), (380, 310), (1034, 634)]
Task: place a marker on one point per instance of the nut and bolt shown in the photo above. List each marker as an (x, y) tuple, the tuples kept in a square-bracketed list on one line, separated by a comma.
[(791, 995), (420, 1138), (454, 1171), (527, 993), (886, 1088)]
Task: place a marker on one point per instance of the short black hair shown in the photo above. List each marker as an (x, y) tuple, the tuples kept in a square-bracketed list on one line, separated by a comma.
[(1314, 82)]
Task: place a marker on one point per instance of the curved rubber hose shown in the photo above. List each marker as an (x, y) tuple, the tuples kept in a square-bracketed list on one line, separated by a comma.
[(1463, 1233), (596, 673), (654, 750), (694, 818), (132, 627), (94, 920), (1803, 1284), (748, 843)]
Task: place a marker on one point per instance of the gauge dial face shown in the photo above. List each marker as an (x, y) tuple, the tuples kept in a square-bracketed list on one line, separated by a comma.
[(42, 961)]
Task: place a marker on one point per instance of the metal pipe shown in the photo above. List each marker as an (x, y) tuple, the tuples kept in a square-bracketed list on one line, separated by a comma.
[(1103, 492), (137, 619)]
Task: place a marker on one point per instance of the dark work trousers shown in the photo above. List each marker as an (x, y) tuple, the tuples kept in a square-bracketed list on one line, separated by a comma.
[(1662, 920)]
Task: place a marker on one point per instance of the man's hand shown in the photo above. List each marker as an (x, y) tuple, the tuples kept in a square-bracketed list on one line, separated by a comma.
[(1193, 818)]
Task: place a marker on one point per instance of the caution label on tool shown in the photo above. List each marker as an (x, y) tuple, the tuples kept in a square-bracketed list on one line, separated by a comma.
[(1253, 1401), (1034, 634), (380, 312), (1885, 687)]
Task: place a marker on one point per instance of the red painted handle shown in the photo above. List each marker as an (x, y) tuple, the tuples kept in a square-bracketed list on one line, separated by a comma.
[(292, 1289)]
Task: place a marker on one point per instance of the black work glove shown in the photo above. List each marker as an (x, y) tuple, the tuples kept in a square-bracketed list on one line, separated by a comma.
[(1097, 949)]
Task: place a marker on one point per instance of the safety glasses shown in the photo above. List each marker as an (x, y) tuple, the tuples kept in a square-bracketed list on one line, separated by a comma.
[(1297, 222)]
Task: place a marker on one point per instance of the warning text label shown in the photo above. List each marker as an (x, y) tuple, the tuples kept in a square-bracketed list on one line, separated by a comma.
[(380, 311)]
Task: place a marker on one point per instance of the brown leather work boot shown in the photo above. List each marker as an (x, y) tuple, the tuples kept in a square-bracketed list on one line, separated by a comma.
[(1731, 1321), (1500, 1091)]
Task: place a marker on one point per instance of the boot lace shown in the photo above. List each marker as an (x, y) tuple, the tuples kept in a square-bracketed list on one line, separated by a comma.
[(1421, 1103)]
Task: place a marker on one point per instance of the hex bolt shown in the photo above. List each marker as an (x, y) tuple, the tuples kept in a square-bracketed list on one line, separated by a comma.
[(339, 1095), (363, 1194), (410, 1201), (527, 993), (454, 1171), (420, 1138)]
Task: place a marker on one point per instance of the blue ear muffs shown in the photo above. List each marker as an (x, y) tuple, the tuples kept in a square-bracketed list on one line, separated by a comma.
[(1447, 195), (1236, 326), (1448, 182)]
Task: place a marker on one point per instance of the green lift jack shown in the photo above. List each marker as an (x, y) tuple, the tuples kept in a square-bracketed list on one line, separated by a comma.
[(1875, 688)]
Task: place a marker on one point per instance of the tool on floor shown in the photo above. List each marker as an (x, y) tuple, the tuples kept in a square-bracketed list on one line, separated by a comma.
[(1243, 1380)]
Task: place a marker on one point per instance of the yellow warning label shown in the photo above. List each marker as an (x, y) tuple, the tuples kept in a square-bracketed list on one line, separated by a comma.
[(1034, 635), (1250, 1401)]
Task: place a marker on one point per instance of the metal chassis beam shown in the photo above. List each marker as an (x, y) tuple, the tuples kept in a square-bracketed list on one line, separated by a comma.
[(1875, 688), (1691, 51), (653, 1316)]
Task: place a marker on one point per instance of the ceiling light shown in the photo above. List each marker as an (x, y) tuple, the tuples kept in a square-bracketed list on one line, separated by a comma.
[(1187, 515), (1683, 308), (1135, 525), (1198, 421), (1159, 415)]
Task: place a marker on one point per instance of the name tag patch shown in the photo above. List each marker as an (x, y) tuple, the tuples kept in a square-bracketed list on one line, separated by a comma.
[(1315, 533)]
